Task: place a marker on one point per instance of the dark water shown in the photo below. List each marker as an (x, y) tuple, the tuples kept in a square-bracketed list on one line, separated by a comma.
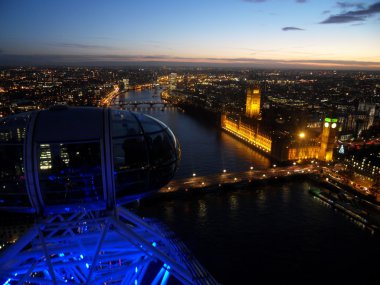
[(271, 233), (205, 149)]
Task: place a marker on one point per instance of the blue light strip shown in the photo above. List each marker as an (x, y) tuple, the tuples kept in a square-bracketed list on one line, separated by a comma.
[(158, 276), (73, 262), (165, 278)]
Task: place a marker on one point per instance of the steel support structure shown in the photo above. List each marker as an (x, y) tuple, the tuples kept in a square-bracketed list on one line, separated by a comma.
[(89, 247)]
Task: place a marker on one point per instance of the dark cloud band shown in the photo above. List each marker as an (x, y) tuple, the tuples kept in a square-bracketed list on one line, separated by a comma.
[(353, 16), (292, 29), (80, 46), (116, 60)]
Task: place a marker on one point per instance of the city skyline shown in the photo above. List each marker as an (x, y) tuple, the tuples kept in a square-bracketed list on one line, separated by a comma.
[(239, 163), (254, 33)]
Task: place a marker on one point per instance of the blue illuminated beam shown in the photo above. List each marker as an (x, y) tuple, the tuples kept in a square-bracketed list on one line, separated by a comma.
[(127, 251)]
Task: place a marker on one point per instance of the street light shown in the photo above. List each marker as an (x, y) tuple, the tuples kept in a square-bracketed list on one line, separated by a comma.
[(301, 135), (224, 170), (194, 174)]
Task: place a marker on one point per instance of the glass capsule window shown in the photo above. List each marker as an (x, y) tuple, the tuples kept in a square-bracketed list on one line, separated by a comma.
[(13, 191), (140, 158), (161, 149), (124, 124), (130, 153), (70, 173), (69, 152), (13, 128), (12, 179), (149, 124)]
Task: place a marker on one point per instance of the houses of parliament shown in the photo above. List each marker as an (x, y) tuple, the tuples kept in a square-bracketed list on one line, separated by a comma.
[(277, 144)]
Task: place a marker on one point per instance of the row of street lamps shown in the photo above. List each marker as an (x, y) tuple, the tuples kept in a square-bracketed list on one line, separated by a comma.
[(225, 170), (250, 168)]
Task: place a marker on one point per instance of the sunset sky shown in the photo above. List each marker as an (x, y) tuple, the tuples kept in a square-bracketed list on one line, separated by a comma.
[(273, 33)]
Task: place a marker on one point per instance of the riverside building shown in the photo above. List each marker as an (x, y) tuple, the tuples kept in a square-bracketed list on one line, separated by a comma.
[(278, 144)]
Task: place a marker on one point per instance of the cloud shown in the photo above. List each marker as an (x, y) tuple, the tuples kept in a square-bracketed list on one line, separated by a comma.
[(353, 16), (292, 29), (121, 60), (371, 10), (301, 1), (81, 46), (339, 19), (326, 12), (156, 57), (345, 5)]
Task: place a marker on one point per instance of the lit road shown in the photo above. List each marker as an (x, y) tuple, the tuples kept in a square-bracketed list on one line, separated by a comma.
[(337, 180), (106, 101), (335, 176), (329, 175), (226, 177)]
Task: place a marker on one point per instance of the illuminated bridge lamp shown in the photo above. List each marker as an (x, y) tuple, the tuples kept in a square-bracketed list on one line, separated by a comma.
[(75, 168)]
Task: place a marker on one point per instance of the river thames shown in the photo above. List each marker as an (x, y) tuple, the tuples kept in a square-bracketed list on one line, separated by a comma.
[(256, 235)]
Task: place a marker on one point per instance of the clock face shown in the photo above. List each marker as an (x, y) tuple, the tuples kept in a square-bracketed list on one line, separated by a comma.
[(327, 125), (333, 125)]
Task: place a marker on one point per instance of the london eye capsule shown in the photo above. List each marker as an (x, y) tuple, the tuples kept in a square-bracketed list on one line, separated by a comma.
[(65, 158)]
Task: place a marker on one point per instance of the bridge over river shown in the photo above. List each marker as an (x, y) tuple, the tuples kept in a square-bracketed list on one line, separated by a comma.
[(227, 178), (142, 103)]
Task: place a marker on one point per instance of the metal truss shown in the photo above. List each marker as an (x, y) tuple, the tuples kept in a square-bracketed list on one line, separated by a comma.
[(90, 247)]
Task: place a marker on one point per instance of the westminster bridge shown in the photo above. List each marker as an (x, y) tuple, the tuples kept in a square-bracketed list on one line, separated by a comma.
[(238, 178)]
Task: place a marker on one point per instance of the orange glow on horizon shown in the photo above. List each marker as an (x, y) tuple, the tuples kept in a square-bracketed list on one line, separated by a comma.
[(317, 63)]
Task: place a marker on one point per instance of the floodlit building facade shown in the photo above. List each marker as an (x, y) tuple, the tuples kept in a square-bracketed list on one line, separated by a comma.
[(280, 146)]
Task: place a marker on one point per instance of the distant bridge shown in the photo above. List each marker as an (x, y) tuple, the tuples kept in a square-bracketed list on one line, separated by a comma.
[(239, 178), (143, 103)]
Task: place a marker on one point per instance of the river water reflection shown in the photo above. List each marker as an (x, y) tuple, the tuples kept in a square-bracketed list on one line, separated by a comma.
[(270, 234), (205, 149), (262, 235)]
